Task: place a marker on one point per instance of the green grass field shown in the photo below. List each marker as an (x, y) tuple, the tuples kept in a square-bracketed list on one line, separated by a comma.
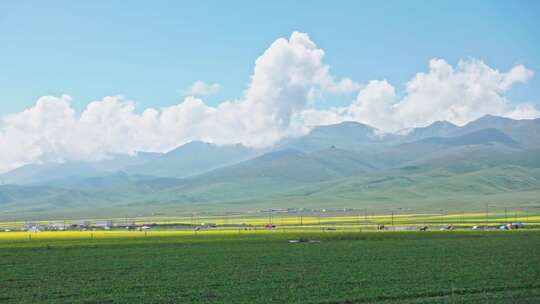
[(263, 267)]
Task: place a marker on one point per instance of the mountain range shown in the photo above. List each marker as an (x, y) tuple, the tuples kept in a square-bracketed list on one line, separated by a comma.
[(347, 165)]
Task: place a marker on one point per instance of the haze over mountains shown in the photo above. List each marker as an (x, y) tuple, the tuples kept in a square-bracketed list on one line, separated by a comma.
[(347, 165)]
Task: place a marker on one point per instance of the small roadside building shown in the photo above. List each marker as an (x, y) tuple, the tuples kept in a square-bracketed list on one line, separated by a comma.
[(104, 224)]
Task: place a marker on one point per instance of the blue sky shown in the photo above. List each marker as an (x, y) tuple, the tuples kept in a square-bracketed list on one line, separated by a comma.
[(150, 51)]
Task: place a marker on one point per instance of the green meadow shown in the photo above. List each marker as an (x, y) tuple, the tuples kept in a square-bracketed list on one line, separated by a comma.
[(264, 267)]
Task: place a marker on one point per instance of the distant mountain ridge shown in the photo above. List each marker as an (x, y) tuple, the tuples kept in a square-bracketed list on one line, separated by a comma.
[(193, 158), (483, 136), (525, 131), (43, 173), (346, 135), (297, 166), (436, 129), (334, 163)]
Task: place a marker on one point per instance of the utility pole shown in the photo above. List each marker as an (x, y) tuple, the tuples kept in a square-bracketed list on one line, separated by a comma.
[(365, 215)]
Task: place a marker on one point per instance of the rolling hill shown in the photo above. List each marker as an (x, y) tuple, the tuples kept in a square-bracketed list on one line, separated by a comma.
[(345, 165)]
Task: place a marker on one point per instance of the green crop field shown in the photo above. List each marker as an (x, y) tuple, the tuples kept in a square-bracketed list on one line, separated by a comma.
[(363, 220), (263, 267)]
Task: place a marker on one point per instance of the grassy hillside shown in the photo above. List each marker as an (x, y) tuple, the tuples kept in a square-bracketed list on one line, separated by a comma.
[(437, 170), (400, 189)]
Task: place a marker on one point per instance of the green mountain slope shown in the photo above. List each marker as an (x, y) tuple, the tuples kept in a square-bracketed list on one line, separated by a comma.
[(509, 186), (484, 136), (526, 131), (439, 166), (267, 174)]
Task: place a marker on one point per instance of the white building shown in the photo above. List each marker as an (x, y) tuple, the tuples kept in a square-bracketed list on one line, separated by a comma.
[(106, 224)]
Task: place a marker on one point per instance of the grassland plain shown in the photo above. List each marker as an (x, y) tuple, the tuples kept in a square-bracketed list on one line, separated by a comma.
[(263, 267)]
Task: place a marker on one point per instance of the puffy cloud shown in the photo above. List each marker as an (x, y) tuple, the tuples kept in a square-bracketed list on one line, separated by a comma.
[(524, 111), (517, 74), (201, 88), (345, 85), (36, 132), (459, 95), (287, 80), (374, 104)]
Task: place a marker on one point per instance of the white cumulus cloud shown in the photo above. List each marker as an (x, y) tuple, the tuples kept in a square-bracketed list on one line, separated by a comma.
[(201, 88), (458, 94), (287, 80)]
